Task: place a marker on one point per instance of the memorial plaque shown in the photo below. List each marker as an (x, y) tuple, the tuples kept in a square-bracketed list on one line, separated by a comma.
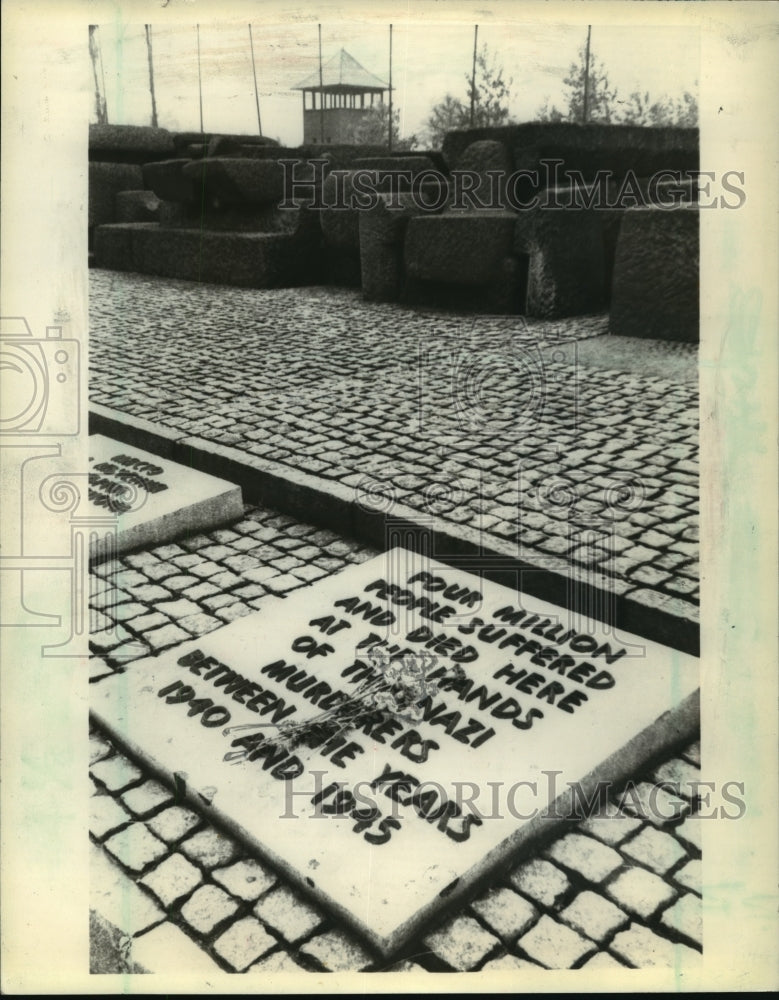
[(388, 736), (153, 498)]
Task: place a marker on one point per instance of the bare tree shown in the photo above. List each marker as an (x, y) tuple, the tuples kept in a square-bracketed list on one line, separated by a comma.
[(605, 106), (372, 129), (602, 105), (488, 91)]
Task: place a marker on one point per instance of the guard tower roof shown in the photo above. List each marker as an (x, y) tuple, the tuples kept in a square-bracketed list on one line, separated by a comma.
[(343, 75)]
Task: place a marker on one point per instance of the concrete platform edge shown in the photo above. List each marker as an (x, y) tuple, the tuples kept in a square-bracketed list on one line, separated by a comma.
[(337, 507)]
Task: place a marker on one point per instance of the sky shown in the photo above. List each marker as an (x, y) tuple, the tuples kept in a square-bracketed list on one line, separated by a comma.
[(428, 62)]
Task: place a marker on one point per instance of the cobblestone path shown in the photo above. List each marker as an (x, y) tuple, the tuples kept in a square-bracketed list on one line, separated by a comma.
[(573, 449)]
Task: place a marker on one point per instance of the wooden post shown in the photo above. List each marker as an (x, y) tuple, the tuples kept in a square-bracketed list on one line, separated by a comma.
[(199, 79), (585, 108), (151, 76), (321, 93), (389, 127), (473, 73), (256, 93), (100, 105)]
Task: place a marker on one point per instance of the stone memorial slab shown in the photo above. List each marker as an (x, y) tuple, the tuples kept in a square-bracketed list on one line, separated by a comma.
[(390, 735), (154, 499)]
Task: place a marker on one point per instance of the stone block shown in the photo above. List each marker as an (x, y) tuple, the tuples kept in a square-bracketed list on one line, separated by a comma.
[(340, 226), (150, 593), (506, 912), (610, 825), (245, 879), (210, 848), (173, 823), (285, 912), (483, 155), (182, 140), (337, 952), (398, 176), (200, 623), (594, 915), (178, 609), (136, 847), (105, 816), (113, 246), (223, 145), (163, 638), (205, 592), (116, 773), (458, 247), (655, 287), (181, 582), (137, 206), (98, 748), (208, 906), (129, 143), (643, 949), (381, 234), (106, 180), (587, 149), (243, 259), (652, 801), (143, 622), (206, 140), (281, 584), (242, 218), (554, 945), (124, 579), (462, 943), (586, 856), (541, 881), (194, 150), (683, 775), (166, 178), (146, 798), (480, 157), (691, 875), (655, 849), (413, 163), (237, 181), (640, 892), (566, 257), (685, 918), (173, 879), (341, 157)]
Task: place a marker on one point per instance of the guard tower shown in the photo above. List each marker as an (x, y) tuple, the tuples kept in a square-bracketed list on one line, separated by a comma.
[(344, 90)]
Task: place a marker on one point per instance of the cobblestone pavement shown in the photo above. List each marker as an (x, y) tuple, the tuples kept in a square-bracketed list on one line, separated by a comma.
[(621, 888), (575, 449)]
